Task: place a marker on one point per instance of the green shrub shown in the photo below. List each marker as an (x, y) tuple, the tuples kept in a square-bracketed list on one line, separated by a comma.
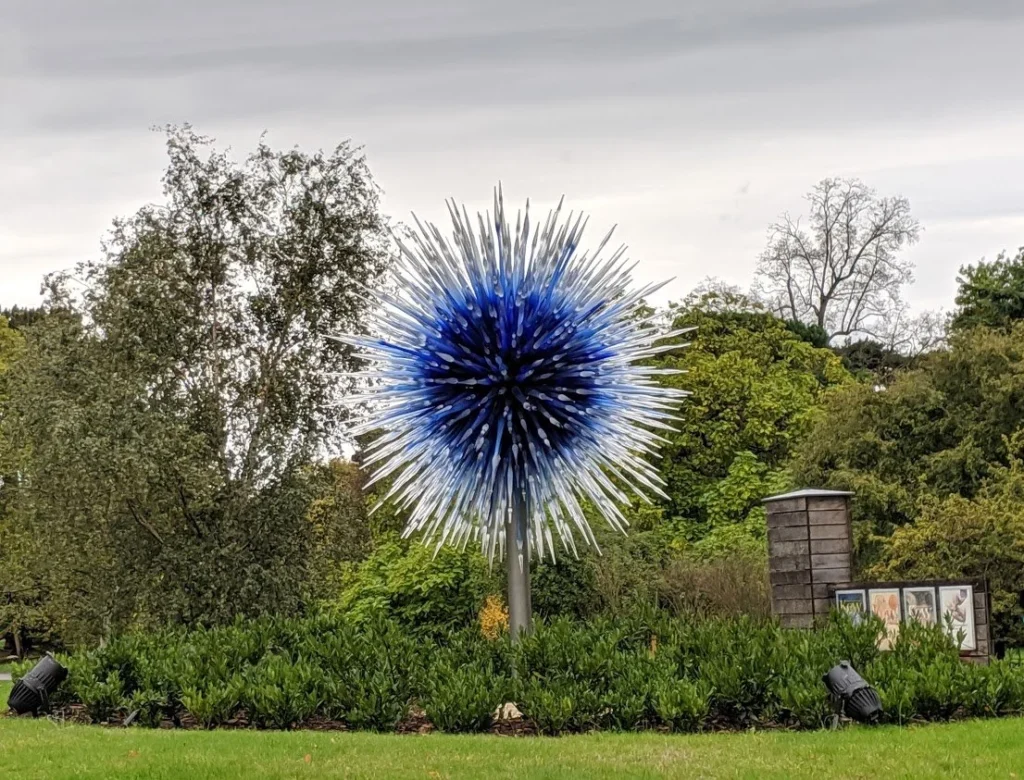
[(680, 705), (103, 697), (559, 705), (645, 670), (280, 693), (216, 702), (148, 707), (464, 698), (423, 591)]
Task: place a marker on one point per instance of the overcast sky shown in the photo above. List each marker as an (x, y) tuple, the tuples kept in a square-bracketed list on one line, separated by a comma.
[(691, 125)]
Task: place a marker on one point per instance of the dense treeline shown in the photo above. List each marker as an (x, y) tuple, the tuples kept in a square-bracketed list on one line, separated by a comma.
[(169, 424)]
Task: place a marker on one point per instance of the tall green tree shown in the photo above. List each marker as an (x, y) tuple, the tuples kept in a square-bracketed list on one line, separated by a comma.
[(982, 536), (990, 294), (20, 317), (871, 359), (939, 429), (339, 522), (754, 384), (168, 409), (11, 346), (19, 591)]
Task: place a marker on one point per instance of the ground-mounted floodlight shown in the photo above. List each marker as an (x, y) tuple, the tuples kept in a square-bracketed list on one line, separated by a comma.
[(852, 694), (511, 389), (32, 692)]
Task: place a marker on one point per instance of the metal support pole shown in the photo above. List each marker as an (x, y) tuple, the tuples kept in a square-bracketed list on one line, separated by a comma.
[(517, 554)]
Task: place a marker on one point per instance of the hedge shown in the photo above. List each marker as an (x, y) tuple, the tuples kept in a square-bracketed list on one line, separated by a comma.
[(642, 673)]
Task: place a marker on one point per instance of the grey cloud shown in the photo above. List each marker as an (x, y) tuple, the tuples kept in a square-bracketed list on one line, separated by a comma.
[(716, 90), (579, 40), (605, 100)]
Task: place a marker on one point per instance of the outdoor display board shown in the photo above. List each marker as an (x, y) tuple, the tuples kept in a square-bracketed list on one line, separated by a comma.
[(961, 607)]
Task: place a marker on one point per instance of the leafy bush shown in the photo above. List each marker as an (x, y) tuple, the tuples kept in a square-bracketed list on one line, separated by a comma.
[(279, 692), (646, 670), (464, 697), (422, 591), (680, 705), (215, 703), (978, 537), (727, 586)]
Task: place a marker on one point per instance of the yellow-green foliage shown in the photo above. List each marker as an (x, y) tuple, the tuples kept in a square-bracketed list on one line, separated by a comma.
[(961, 537), (418, 588), (754, 384)]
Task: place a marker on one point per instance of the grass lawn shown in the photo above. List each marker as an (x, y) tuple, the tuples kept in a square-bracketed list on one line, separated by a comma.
[(977, 749)]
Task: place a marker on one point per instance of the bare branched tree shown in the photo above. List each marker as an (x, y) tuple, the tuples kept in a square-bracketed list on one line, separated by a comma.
[(913, 335), (842, 271), (717, 295)]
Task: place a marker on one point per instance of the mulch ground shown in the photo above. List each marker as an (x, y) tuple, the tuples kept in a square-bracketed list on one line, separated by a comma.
[(415, 723)]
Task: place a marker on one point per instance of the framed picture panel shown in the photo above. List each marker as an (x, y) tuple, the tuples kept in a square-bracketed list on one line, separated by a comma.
[(885, 604), (957, 605), (853, 603), (920, 605), (956, 613)]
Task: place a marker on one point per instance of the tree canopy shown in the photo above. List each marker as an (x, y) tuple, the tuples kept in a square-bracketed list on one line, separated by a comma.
[(754, 383), (938, 429), (166, 412), (991, 294), (169, 419)]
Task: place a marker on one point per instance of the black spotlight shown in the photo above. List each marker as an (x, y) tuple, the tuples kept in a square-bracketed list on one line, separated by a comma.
[(852, 694), (32, 693)]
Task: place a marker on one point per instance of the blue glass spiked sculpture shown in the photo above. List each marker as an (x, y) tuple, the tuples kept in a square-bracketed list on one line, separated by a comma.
[(506, 377)]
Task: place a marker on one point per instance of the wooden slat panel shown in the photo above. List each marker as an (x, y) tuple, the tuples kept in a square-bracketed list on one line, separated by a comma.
[(823, 546), (827, 502), (821, 591), (789, 563), (779, 549), (781, 592), (793, 607), (829, 532), (829, 517), (787, 519), (981, 617), (831, 561), (830, 575), (787, 505), (802, 577), (789, 534)]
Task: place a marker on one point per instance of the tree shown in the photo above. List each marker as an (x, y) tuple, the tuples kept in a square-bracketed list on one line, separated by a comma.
[(990, 295), (938, 429), (20, 317), (716, 295), (11, 346), (754, 384), (954, 536), (19, 593), (169, 409), (338, 516), (873, 359), (842, 272)]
